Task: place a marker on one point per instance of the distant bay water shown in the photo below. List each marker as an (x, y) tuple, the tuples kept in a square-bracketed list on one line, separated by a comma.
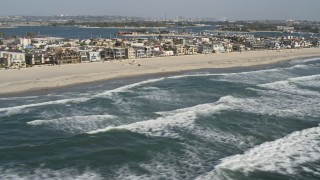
[(84, 33), (247, 123), (70, 32)]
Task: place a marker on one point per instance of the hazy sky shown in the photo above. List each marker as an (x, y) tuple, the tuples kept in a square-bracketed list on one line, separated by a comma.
[(232, 9)]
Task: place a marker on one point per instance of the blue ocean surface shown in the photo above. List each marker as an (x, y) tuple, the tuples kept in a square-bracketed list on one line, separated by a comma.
[(249, 124), (72, 32)]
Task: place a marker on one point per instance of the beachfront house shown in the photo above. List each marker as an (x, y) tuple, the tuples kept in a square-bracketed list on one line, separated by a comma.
[(228, 46), (296, 44), (119, 53), (168, 53), (35, 57), (191, 50), (64, 56), (144, 51), (254, 44), (205, 48), (94, 56), (107, 53), (315, 42), (179, 50), (287, 43), (140, 53), (238, 47), (113, 53), (273, 44), (130, 53), (13, 59), (83, 54), (149, 51), (4, 63), (307, 44), (218, 48)]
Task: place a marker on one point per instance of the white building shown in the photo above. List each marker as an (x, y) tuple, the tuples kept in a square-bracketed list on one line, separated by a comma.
[(168, 53), (119, 53), (24, 42), (84, 56), (94, 56), (14, 59), (218, 48), (140, 53)]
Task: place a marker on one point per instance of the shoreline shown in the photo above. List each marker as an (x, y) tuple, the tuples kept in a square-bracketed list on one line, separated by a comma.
[(134, 78), (46, 78)]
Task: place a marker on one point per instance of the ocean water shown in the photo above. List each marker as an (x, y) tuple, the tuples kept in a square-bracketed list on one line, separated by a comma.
[(83, 33), (248, 124)]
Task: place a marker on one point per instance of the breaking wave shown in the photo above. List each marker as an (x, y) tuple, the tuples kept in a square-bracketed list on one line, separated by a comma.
[(182, 118), (76, 124), (41, 173), (18, 109), (284, 156)]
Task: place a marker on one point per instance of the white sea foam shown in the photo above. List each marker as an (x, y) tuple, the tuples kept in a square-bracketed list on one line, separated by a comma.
[(17, 98), (130, 86), (289, 87), (307, 78), (283, 156), (254, 77), (301, 66), (311, 81), (162, 126), (76, 124), (276, 104), (315, 170), (305, 60), (159, 96), (216, 135), (191, 159), (192, 75), (40, 174), (260, 76), (150, 88), (62, 101), (312, 59), (127, 87), (286, 98), (16, 109), (155, 127)]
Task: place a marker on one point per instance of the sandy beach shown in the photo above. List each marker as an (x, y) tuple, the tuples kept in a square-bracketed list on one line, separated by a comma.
[(46, 77)]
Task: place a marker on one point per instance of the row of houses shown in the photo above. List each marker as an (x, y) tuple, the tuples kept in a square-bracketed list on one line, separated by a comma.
[(26, 52), (69, 55), (21, 59)]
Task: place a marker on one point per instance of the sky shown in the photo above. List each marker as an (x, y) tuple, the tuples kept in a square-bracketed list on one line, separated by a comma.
[(231, 9)]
